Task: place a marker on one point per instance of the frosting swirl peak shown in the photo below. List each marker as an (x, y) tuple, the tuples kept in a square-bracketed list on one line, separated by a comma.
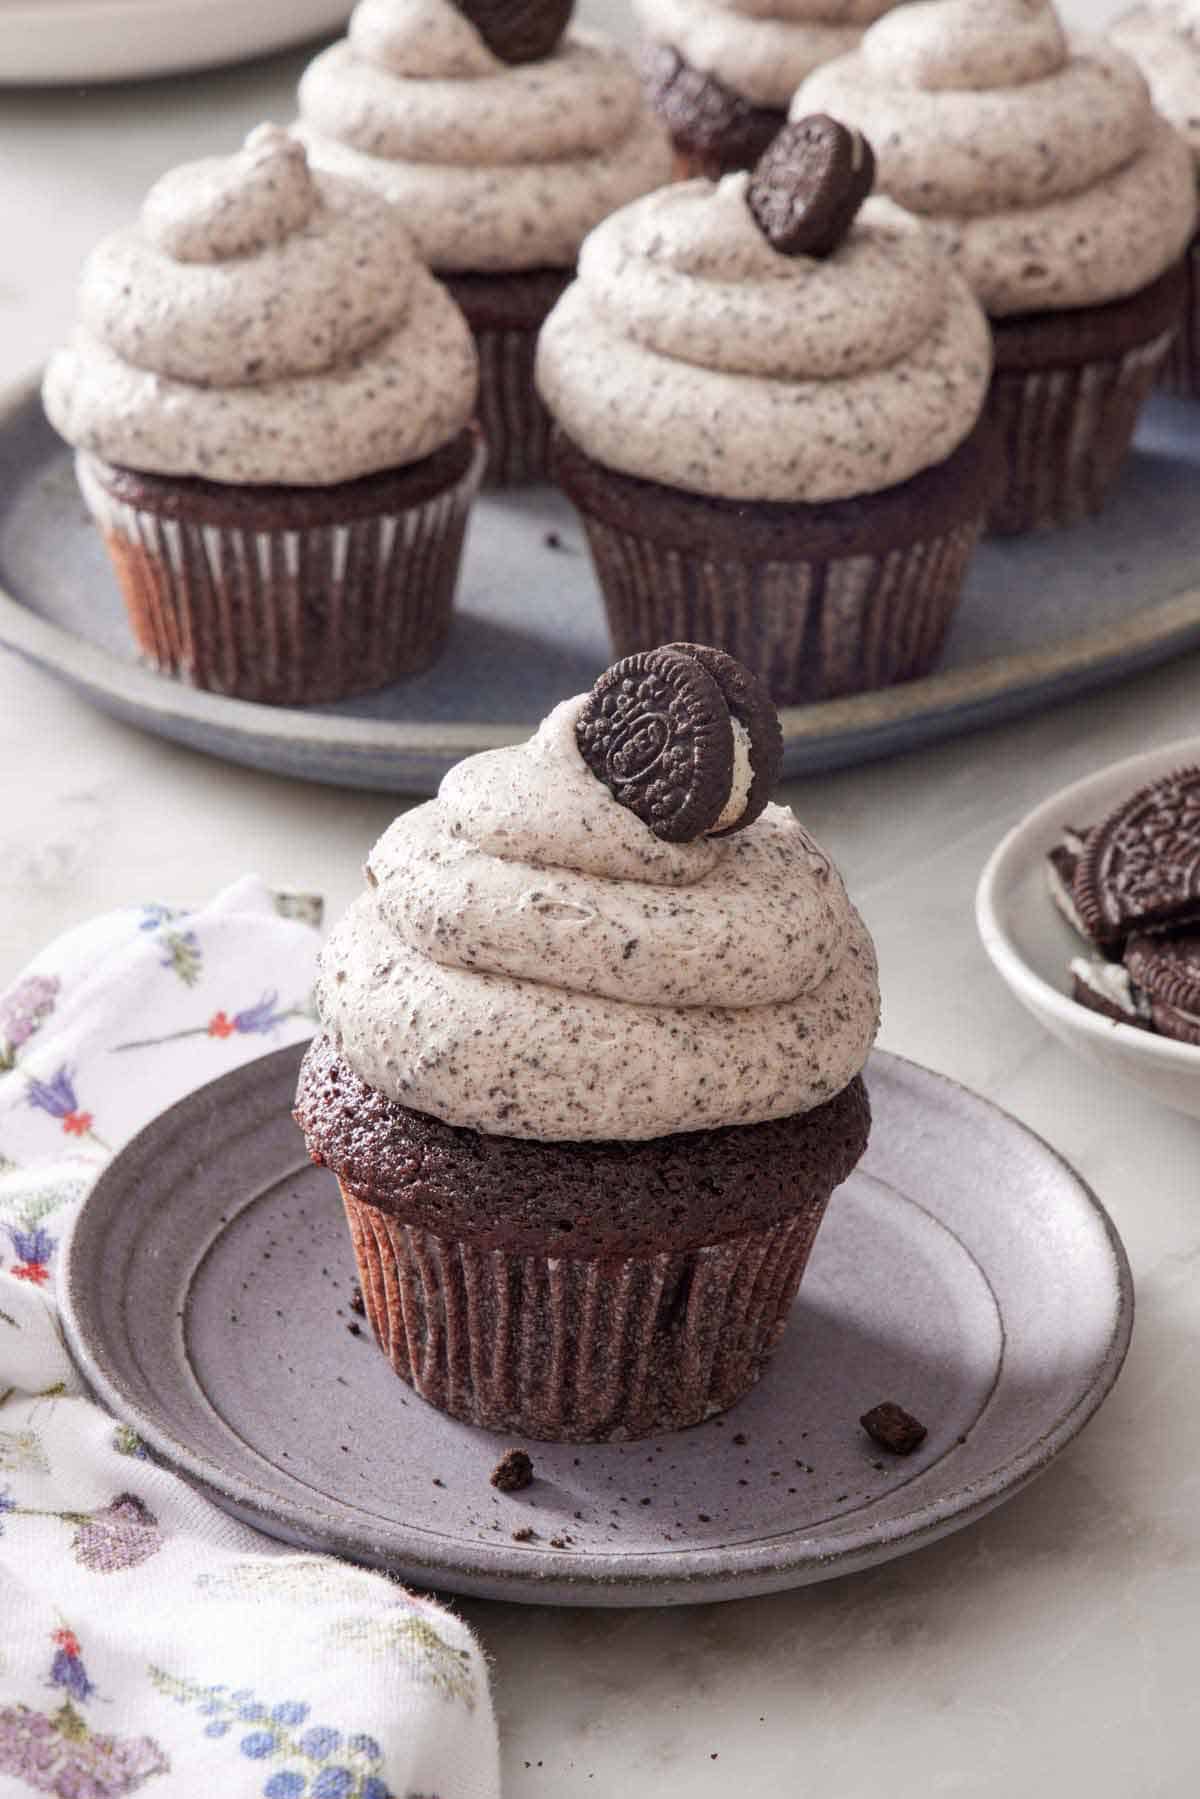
[(829, 376), (531, 961)]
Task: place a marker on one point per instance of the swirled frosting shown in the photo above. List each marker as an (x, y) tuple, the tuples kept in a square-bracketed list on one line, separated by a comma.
[(762, 49), (1164, 40), (495, 167), (691, 352), (530, 961), (1038, 161), (262, 323)]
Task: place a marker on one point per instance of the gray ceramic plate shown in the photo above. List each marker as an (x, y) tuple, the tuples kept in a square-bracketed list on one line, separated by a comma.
[(1042, 619), (964, 1271)]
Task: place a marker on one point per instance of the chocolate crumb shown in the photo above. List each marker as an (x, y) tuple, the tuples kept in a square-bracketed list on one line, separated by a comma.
[(558, 1542), (740, 1439), (526, 1534), (513, 1472), (357, 1302), (354, 1329), (437, 1482), (889, 1425)]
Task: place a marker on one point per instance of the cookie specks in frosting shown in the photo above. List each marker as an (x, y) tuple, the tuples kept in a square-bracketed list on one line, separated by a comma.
[(530, 961)]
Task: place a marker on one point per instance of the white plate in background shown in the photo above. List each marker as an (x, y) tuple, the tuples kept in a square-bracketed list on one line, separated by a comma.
[(56, 41), (1031, 944)]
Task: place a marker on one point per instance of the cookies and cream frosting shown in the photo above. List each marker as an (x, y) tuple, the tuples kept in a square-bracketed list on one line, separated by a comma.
[(495, 167), (262, 322), (1163, 37), (529, 960), (1038, 160), (761, 49), (691, 352)]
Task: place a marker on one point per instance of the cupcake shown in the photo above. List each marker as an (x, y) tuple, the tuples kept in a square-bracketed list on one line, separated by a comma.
[(721, 73), (271, 402), (768, 414), (503, 141), (590, 1061), (1063, 198), (1164, 39)]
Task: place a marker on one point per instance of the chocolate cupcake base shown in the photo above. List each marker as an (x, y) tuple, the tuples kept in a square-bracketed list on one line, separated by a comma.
[(817, 600), (1066, 397), (1181, 371), (288, 595), (505, 313), (713, 129), (576, 1291)]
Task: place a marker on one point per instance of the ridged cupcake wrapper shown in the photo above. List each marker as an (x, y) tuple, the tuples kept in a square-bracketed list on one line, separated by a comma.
[(577, 1350), (1066, 433), (515, 423), (1181, 370), (288, 617), (811, 629)]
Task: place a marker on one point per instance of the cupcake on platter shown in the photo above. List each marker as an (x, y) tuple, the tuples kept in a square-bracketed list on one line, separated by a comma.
[(1163, 37), (504, 137), (721, 73), (1043, 169), (768, 404), (590, 1062), (272, 400)]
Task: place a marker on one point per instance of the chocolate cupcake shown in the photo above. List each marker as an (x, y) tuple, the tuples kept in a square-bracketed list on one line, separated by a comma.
[(1063, 198), (587, 1088), (720, 73), (503, 141), (271, 400), (1163, 37), (768, 414)]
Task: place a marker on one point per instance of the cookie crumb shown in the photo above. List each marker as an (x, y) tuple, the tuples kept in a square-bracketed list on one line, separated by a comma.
[(740, 1439), (354, 1329), (889, 1425), (513, 1472), (526, 1534), (357, 1302)]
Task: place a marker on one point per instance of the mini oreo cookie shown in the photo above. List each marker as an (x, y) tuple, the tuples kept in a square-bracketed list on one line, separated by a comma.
[(806, 188), (1165, 971), (658, 730), (751, 707), (1140, 868), (519, 31)]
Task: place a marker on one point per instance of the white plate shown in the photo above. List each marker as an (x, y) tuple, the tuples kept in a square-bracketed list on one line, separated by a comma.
[(1032, 945), (119, 40)]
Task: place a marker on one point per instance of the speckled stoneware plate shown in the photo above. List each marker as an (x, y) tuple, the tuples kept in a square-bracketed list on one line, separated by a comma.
[(1031, 944), (964, 1271), (125, 40), (1043, 618)]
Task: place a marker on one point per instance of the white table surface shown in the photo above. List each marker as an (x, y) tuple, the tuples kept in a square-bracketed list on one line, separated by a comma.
[(1049, 1650)]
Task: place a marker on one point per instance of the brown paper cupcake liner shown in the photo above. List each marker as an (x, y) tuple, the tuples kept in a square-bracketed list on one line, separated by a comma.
[(1180, 372), (287, 616), (515, 423), (586, 1349), (1066, 433)]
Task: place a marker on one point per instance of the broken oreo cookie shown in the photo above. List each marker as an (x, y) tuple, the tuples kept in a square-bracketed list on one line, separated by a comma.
[(889, 1425), (1165, 973), (1139, 869), (685, 738), (518, 31), (807, 186)]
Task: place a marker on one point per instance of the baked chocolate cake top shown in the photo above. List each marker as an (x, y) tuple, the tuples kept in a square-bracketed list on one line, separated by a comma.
[(531, 960), (806, 189), (685, 737)]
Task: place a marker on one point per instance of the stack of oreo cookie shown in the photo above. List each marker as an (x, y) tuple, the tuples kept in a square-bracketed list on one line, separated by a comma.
[(1130, 886)]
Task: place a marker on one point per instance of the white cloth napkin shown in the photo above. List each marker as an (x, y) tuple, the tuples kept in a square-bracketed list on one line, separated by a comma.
[(147, 1641)]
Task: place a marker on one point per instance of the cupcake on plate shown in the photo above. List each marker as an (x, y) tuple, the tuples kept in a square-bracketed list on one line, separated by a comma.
[(504, 137), (768, 405), (271, 400), (1044, 171), (590, 1062), (721, 73), (1163, 37)]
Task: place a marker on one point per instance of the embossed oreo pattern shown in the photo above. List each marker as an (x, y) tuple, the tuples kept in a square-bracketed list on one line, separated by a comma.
[(1140, 868)]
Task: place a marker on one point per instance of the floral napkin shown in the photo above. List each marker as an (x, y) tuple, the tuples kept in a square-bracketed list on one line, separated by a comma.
[(147, 1641)]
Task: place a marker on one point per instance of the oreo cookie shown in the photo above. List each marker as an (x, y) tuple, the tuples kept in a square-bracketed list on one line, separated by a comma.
[(519, 30), (685, 738), (1165, 973), (1139, 870), (806, 188)]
